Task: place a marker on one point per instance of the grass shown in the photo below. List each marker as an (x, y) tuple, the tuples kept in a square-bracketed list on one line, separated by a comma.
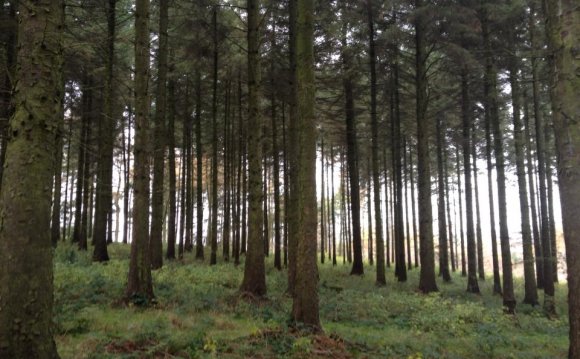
[(200, 315)]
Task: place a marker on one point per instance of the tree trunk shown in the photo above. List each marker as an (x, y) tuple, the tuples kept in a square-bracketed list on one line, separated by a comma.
[(26, 285), (406, 204), (254, 270), (172, 218), (427, 277), (214, 145), (139, 285), (530, 293), (305, 303), (352, 154), (441, 196), (157, 215), (461, 236), (467, 117), (322, 224), (532, 190), (480, 262), (199, 254), (563, 33)]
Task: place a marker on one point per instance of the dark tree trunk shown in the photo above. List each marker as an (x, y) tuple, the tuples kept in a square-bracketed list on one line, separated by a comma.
[(157, 210), (332, 210), (467, 119), (413, 210), (199, 170), (452, 253), (305, 303), (276, 175), (532, 191), (214, 145), (254, 270), (104, 189), (139, 285), (322, 224), (427, 277), (461, 232), (480, 261), (491, 79), (406, 204), (26, 285), (172, 218), (441, 196)]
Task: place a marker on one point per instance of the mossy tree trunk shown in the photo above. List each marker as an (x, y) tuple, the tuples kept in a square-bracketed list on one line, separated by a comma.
[(563, 33), (139, 285), (26, 285)]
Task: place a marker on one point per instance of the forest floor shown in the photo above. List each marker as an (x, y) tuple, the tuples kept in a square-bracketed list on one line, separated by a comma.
[(200, 314)]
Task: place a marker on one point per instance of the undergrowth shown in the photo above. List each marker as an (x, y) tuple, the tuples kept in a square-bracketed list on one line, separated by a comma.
[(200, 314)]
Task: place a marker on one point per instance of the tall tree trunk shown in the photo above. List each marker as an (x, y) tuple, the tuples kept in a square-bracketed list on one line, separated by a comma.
[(332, 209), (157, 215), (532, 191), (87, 178), (172, 218), (305, 303), (57, 186), (126, 187), (563, 33), (467, 119), (322, 224), (427, 277), (139, 285), (461, 239), (83, 144), (370, 215), (478, 234), (254, 270), (549, 190), (509, 300), (26, 286), (352, 154), (399, 234), (530, 293), (199, 254), (104, 189), (451, 247), (441, 196), (226, 224), (413, 210), (214, 145), (406, 204), (276, 175)]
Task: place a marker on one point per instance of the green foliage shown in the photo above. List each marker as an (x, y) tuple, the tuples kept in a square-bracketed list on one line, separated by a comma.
[(201, 315)]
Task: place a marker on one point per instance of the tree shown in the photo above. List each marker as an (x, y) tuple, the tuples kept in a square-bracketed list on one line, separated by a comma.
[(254, 269), (26, 289), (139, 285), (305, 303), (427, 282), (157, 210), (563, 33)]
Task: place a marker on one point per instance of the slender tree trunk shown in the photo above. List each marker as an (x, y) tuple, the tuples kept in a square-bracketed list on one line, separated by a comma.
[(332, 210), (461, 232), (467, 117), (406, 204), (254, 271), (127, 188), (352, 155), (480, 262), (139, 285), (155, 241), (26, 285), (427, 277), (369, 216), (83, 143), (508, 291), (57, 186), (104, 189), (172, 218), (276, 175), (441, 196), (322, 224), (199, 169), (413, 210), (532, 199), (549, 190), (214, 145), (530, 294), (448, 207)]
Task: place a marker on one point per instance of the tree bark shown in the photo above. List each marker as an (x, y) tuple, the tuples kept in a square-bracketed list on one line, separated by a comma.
[(159, 134), (441, 196), (26, 272), (139, 285), (254, 270), (563, 33)]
